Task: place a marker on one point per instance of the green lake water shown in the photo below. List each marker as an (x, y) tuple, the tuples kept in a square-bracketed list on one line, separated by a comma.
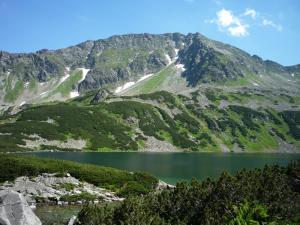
[(174, 167)]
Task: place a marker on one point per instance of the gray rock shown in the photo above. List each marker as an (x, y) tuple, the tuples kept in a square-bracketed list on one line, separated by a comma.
[(14, 210), (48, 188), (72, 220), (100, 96)]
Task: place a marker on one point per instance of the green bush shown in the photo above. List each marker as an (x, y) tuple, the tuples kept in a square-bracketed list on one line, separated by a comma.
[(267, 196), (78, 197)]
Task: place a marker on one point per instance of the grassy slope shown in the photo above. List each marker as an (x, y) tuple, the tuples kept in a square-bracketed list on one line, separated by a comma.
[(13, 166), (67, 86), (12, 92), (180, 120), (153, 83)]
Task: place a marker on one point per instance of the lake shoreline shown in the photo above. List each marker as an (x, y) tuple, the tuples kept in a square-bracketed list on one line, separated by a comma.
[(155, 152)]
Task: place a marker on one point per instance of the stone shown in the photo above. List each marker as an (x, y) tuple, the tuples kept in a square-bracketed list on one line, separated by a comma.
[(14, 210), (72, 220), (100, 96)]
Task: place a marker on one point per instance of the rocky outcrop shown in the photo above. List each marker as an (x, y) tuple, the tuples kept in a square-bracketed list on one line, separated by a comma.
[(56, 189), (14, 210), (163, 185), (100, 96)]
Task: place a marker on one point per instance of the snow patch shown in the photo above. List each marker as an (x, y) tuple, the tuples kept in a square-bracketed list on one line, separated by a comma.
[(255, 84), (176, 54), (145, 77), (180, 67), (22, 103), (64, 78), (44, 93), (124, 87), (74, 94), (84, 73), (26, 85), (292, 75), (168, 59), (131, 83), (67, 75)]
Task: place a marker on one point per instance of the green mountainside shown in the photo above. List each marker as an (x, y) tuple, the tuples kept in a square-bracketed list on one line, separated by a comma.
[(144, 92), (207, 120)]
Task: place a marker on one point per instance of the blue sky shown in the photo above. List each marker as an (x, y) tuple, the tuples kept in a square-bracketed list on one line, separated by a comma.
[(267, 28)]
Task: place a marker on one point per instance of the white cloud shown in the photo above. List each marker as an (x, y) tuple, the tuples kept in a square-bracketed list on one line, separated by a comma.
[(231, 23), (250, 12), (225, 18), (239, 30), (270, 23), (236, 26)]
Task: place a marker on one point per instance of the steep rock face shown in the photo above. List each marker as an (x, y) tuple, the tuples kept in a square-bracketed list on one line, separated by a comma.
[(206, 64), (121, 58), (14, 210), (41, 65)]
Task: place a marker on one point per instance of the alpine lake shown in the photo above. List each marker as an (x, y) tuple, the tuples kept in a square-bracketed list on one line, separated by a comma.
[(168, 167)]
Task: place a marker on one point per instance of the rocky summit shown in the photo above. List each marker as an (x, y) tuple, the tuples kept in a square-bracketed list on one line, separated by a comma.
[(125, 59)]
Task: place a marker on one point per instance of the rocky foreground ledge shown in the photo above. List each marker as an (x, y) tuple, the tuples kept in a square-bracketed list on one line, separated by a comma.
[(14, 210), (60, 189), (19, 198)]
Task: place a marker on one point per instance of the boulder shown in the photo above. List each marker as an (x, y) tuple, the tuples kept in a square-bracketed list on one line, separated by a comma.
[(100, 96), (14, 210)]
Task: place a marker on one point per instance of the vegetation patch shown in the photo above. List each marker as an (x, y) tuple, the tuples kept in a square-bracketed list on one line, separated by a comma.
[(267, 196), (13, 166)]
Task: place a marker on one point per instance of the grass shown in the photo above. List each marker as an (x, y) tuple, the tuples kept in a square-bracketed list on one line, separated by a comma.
[(85, 196), (67, 186), (33, 86), (153, 83), (67, 86), (113, 58), (13, 92)]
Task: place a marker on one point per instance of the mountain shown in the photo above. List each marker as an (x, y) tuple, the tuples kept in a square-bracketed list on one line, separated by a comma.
[(168, 92)]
